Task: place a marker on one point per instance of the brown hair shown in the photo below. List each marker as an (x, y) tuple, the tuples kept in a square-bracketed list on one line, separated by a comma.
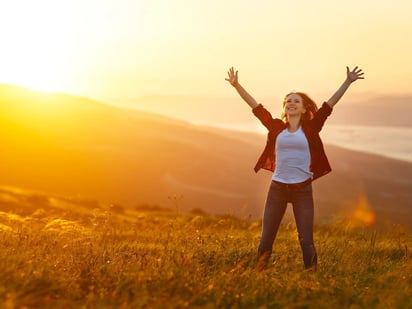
[(308, 103)]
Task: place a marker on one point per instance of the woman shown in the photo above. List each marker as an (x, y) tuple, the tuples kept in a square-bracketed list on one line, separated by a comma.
[(294, 153)]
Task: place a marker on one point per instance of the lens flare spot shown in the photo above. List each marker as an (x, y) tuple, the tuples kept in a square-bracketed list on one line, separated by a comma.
[(363, 213)]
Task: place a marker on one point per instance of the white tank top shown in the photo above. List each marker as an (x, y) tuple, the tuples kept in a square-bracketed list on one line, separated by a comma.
[(292, 157)]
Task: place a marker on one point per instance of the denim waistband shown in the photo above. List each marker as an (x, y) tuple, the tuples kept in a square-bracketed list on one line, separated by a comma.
[(293, 186)]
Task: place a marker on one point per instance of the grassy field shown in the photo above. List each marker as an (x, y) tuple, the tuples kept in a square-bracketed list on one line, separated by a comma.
[(66, 253)]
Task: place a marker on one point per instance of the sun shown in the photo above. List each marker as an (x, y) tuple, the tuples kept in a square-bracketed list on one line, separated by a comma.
[(35, 72), (36, 47)]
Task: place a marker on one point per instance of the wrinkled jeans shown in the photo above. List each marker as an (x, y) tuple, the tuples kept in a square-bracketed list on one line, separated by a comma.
[(303, 209)]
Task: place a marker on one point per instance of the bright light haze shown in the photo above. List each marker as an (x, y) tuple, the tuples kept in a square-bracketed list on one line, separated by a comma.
[(118, 48)]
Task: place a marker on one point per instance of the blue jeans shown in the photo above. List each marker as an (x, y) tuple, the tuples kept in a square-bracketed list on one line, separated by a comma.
[(303, 209)]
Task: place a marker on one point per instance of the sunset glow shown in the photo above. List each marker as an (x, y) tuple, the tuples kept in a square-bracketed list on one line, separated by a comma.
[(118, 49), (38, 51), (363, 214)]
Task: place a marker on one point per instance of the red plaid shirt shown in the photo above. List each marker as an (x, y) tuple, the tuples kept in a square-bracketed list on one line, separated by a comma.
[(319, 165)]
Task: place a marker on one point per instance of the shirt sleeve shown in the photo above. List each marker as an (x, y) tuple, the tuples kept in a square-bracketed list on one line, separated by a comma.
[(266, 118), (320, 117)]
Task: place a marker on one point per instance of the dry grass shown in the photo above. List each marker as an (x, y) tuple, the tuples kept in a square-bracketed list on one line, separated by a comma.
[(55, 256)]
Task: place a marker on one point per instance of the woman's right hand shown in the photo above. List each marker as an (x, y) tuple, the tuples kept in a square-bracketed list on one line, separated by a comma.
[(233, 80)]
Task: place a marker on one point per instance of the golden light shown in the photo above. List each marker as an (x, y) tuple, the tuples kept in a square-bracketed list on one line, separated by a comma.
[(363, 214), (66, 46), (37, 49)]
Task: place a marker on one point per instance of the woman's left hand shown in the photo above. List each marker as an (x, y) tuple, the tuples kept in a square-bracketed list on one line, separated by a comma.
[(353, 75)]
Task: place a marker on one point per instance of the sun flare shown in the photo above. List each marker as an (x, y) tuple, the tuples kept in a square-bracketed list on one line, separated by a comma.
[(39, 75), (36, 51), (127, 48)]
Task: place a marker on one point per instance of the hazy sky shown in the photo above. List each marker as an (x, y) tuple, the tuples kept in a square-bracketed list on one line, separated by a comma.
[(118, 48)]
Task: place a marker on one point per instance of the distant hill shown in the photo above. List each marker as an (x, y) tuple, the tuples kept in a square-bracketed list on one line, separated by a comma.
[(377, 110), (79, 147), (392, 111)]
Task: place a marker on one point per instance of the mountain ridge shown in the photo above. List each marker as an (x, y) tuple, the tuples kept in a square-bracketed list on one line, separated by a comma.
[(127, 157), (371, 110)]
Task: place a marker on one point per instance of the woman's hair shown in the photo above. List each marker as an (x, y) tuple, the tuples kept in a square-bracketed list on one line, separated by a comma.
[(308, 103)]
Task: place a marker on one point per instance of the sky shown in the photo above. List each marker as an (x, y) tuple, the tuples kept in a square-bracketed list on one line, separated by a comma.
[(113, 49)]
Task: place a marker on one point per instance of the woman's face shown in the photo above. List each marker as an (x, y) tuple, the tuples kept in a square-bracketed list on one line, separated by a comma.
[(293, 105)]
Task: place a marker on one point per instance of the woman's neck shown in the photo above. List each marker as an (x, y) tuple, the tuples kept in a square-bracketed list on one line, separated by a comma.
[(294, 123)]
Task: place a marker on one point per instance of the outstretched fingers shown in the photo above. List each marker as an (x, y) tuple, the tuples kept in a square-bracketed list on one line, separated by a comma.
[(354, 74), (229, 73), (232, 76), (359, 72)]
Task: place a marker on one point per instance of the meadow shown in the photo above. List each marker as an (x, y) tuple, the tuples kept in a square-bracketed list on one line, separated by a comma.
[(58, 252)]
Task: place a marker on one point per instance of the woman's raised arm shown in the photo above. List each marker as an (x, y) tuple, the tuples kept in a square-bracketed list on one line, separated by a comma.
[(351, 76), (233, 80)]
